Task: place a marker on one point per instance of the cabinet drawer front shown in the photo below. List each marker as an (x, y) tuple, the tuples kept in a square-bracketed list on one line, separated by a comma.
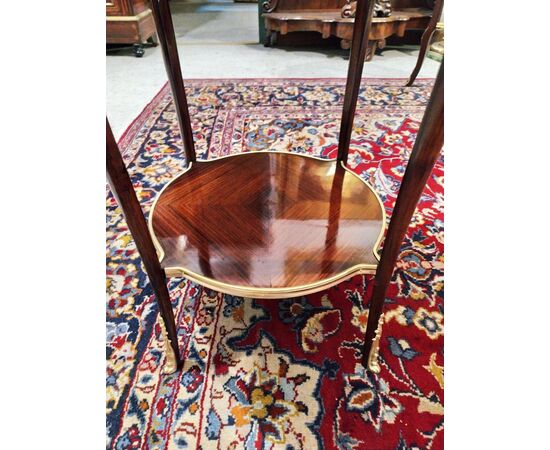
[(116, 8)]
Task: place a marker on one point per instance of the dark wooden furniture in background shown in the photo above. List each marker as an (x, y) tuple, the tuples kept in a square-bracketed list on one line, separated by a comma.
[(336, 18), (225, 238), (426, 39), (130, 22)]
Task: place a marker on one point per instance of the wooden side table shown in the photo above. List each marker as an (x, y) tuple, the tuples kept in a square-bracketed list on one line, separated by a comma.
[(226, 242)]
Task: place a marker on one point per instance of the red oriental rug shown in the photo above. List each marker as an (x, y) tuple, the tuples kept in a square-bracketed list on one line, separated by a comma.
[(264, 374)]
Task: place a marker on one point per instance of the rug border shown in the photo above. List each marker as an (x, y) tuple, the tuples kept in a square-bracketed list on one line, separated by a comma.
[(132, 129)]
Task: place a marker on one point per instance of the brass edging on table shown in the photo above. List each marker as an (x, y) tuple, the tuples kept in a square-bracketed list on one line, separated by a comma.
[(381, 234), (266, 293)]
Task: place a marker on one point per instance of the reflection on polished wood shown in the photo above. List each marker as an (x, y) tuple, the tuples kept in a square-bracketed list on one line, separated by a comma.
[(271, 225)]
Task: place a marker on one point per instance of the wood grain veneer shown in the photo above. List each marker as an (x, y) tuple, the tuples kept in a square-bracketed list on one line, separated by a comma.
[(276, 225), (273, 224)]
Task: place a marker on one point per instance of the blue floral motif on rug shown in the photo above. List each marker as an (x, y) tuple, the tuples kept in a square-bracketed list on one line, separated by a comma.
[(265, 374)]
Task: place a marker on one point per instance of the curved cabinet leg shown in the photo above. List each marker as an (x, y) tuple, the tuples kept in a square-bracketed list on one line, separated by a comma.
[(273, 39), (267, 38), (425, 41), (123, 190), (358, 52), (423, 157), (169, 48), (371, 49), (270, 38)]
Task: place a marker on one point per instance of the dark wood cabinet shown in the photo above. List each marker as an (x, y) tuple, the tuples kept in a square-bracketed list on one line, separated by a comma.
[(337, 17), (130, 22)]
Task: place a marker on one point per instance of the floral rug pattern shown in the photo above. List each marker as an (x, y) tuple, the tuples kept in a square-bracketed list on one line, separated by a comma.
[(265, 374)]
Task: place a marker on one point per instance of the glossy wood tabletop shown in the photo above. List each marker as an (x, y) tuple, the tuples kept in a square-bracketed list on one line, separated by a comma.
[(279, 223)]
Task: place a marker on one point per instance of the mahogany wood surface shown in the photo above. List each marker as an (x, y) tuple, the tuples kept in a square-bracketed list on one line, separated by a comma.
[(336, 18), (129, 22), (307, 5), (363, 17), (423, 157), (125, 7), (123, 190), (167, 39), (268, 221)]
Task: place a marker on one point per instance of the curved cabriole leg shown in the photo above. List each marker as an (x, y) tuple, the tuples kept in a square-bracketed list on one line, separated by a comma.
[(267, 38), (270, 38), (425, 41), (371, 50), (273, 39), (423, 157), (123, 190)]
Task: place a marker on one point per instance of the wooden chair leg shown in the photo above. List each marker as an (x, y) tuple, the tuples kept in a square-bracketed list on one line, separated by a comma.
[(425, 41), (423, 157), (123, 190)]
